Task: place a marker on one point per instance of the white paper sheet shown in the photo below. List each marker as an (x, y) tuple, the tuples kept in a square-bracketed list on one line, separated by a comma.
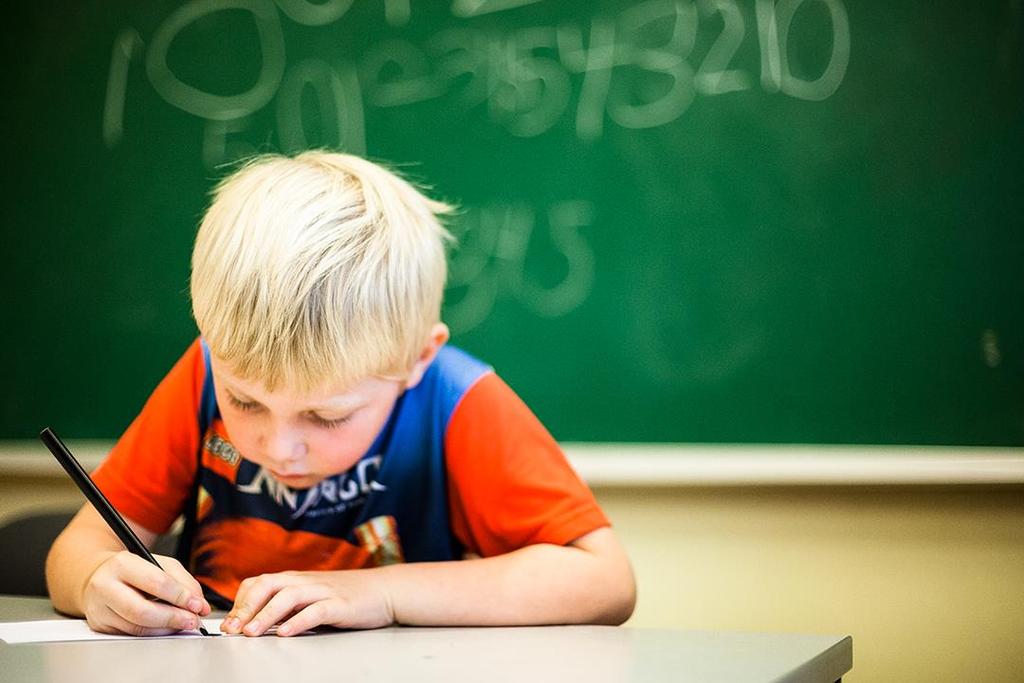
[(53, 630)]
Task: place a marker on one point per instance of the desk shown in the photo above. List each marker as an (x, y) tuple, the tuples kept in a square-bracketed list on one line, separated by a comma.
[(594, 654)]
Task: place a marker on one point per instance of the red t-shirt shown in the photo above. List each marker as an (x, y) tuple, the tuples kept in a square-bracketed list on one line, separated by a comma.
[(506, 482)]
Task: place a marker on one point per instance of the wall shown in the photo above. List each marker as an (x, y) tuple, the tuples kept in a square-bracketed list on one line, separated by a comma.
[(927, 580)]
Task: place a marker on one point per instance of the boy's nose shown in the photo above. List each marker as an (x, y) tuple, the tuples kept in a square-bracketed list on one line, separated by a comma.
[(284, 446)]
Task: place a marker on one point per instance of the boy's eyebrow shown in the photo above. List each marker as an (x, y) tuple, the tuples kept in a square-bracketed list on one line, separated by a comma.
[(344, 404)]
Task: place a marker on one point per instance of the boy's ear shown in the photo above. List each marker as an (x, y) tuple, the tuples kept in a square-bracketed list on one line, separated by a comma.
[(439, 335)]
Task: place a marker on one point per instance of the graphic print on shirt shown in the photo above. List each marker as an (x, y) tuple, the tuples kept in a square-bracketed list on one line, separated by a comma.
[(379, 537), (331, 496)]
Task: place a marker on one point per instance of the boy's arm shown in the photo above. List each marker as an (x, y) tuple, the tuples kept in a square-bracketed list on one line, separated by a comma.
[(587, 581), (90, 574)]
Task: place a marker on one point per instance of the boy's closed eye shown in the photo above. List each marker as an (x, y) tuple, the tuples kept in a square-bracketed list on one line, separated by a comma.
[(243, 405), (329, 423)]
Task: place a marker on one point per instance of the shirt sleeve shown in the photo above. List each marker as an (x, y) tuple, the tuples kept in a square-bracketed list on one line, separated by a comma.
[(149, 474), (510, 485)]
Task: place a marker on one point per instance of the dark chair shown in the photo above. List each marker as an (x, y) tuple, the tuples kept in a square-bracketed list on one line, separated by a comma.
[(24, 543)]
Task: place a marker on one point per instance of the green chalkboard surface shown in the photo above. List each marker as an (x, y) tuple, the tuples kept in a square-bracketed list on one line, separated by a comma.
[(683, 221)]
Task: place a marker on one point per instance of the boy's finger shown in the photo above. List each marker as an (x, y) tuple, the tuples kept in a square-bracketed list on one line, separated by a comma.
[(154, 581), (315, 614), (135, 609), (286, 601), (253, 594), (122, 625), (196, 603)]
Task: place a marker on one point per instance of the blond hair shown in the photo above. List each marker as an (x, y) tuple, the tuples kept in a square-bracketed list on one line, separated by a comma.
[(319, 268)]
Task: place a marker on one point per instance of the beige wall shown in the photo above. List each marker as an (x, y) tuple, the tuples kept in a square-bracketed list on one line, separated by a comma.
[(22, 495), (930, 582)]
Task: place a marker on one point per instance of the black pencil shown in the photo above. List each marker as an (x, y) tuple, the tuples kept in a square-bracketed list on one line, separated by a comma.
[(113, 519)]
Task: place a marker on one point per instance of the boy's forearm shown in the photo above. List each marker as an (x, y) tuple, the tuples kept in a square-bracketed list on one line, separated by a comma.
[(589, 581), (539, 584)]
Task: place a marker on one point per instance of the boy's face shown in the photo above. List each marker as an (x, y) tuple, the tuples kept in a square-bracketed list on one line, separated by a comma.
[(303, 439)]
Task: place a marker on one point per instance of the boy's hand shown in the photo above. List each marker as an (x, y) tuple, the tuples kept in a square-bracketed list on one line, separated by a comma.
[(304, 600), (117, 597)]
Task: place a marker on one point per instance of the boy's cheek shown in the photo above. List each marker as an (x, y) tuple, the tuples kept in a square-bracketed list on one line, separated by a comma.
[(339, 452)]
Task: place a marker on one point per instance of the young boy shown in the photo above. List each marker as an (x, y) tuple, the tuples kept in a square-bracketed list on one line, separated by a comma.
[(336, 463)]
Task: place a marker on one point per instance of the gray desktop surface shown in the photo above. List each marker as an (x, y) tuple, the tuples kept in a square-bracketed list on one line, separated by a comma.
[(545, 653)]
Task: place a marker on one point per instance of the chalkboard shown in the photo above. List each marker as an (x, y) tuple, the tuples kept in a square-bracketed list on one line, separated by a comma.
[(694, 221)]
